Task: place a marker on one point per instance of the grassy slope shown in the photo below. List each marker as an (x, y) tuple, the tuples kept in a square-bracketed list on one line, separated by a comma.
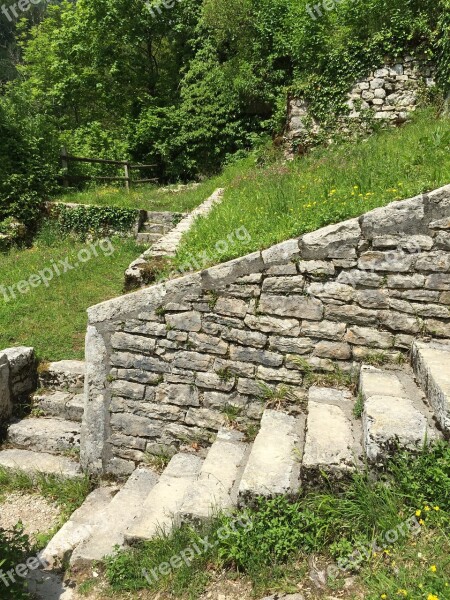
[(145, 197), (327, 186), (53, 319)]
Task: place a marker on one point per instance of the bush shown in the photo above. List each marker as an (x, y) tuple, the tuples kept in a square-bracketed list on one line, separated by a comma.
[(15, 548)]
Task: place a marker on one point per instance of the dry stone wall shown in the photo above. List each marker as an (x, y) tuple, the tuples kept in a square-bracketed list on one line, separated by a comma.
[(389, 94), (167, 364), (18, 378)]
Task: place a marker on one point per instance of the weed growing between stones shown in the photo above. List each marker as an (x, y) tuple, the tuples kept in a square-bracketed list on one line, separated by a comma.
[(287, 533)]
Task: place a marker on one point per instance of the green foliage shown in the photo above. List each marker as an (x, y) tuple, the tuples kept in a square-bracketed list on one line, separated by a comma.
[(206, 79), (95, 220), (53, 319), (15, 548), (69, 494), (280, 528), (326, 186), (272, 543)]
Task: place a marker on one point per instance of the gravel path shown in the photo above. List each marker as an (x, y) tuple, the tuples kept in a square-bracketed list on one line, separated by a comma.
[(35, 512)]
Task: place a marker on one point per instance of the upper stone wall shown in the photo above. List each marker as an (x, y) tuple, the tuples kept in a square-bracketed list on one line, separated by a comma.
[(164, 363), (390, 93)]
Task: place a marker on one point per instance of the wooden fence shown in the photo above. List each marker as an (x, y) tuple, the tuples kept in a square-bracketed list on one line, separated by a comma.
[(127, 167)]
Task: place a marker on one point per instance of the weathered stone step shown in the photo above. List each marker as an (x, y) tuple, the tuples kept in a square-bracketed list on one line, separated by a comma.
[(273, 467), (165, 500), (162, 218), (217, 486), (149, 227), (63, 405), (79, 527), (333, 436), (431, 363), (39, 462), (147, 238), (395, 414), (62, 375), (51, 435), (109, 530)]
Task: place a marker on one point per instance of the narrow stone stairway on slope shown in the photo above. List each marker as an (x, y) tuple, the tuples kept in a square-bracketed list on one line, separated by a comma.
[(289, 452), (156, 225), (48, 441)]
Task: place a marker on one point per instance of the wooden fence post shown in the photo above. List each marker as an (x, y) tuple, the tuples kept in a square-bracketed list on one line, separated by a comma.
[(65, 166), (127, 176)]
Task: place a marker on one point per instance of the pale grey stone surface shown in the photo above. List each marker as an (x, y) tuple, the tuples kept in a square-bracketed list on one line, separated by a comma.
[(65, 374), (79, 527), (39, 462), (273, 466), (5, 394), (431, 362), (109, 530), (48, 435), (216, 489), (94, 429), (331, 445), (394, 417), (165, 499)]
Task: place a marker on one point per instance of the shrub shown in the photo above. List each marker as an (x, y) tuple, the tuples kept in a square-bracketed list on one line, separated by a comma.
[(15, 548)]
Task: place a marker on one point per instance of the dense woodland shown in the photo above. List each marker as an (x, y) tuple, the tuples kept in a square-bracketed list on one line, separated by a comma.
[(189, 88)]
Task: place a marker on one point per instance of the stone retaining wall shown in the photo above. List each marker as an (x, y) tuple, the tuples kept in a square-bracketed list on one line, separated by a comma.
[(390, 93), (169, 363), (18, 378)]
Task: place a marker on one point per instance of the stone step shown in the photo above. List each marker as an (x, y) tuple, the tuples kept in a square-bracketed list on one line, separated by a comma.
[(217, 486), (65, 375), (79, 527), (147, 238), (63, 405), (431, 363), (109, 530), (39, 462), (395, 414), (149, 227), (164, 501), (273, 467), (162, 218), (333, 436), (51, 435)]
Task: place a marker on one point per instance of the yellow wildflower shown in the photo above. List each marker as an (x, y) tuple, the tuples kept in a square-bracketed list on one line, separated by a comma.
[(432, 597), (427, 508), (418, 513), (436, 508), (383, 596), (433, 568), (402, 592)]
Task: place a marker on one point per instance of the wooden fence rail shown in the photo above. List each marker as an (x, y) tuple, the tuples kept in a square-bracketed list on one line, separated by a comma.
[(66, 158)]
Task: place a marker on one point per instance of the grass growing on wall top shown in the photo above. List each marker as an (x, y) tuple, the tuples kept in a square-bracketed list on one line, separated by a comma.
[(327, 186)]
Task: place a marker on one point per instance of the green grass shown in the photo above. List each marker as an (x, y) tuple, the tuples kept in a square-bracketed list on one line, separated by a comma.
[(146, 197), (327, 186), (53, 319), (69, 494), (329, 526)]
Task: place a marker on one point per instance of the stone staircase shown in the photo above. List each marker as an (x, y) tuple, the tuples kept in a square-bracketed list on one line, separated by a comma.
[(48, 441), (404, 407), (155, 225)]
